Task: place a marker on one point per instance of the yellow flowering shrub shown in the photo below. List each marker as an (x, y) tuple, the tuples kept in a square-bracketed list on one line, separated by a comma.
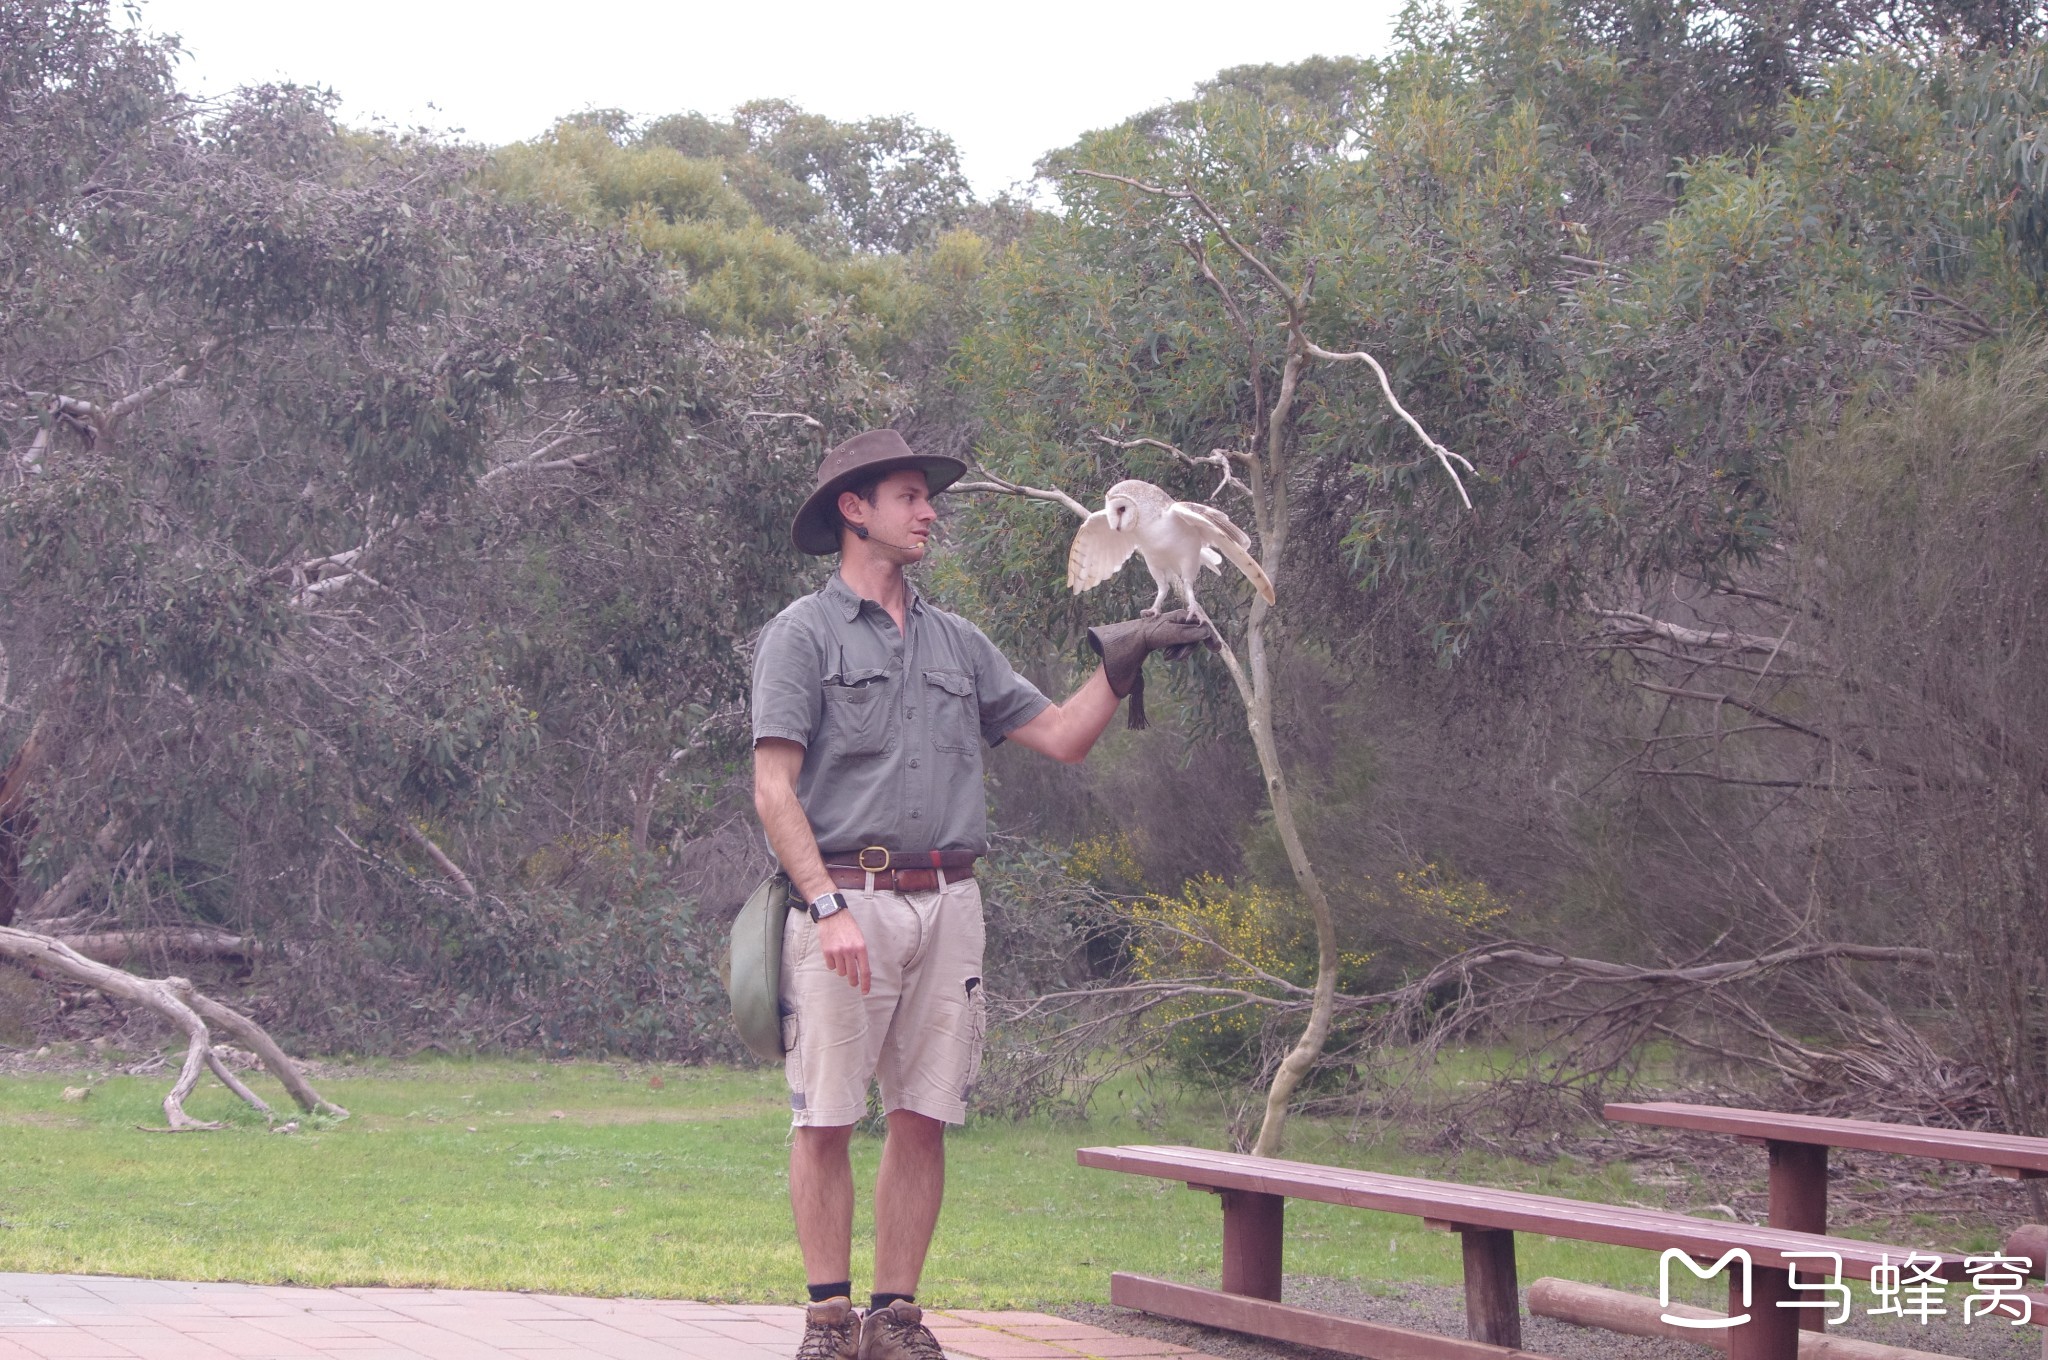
[(1248, 936), (1106, 861)]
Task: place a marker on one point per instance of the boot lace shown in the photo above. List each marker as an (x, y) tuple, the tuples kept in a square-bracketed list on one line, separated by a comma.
[(906, 1337), (830, 1340)]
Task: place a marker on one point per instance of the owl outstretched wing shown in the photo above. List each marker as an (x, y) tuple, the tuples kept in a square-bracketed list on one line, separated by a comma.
[(1215, 530), (1098, 553)]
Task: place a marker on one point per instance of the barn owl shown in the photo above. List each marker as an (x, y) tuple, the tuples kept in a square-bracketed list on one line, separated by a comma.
[(1176, 538)]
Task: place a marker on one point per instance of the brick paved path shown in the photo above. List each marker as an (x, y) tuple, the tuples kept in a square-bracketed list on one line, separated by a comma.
[(43, 1317)]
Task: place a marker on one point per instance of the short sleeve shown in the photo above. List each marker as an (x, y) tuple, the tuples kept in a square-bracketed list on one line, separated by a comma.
[(1008, 700), (788, 663)]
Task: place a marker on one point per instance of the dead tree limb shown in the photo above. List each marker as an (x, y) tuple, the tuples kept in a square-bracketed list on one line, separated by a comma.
[(1216, 458), (1628, 623), (1000, 486), (117, 947), (176, 1000), (448, 867)]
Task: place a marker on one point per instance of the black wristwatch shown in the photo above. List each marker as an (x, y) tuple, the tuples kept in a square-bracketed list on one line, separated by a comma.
[(831, 904)]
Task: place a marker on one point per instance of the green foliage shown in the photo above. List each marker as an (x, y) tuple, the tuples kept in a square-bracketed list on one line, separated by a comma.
[(775, 218), (1490, 214), (353, 489)]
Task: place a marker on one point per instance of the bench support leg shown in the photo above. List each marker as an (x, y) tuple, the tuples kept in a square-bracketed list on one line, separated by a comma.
[(1493, 1297), (1772, 1333), (1251, 1243), (1799, 1202)]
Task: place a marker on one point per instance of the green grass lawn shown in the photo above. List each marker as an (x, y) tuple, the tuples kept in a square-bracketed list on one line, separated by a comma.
[(588, 1178)]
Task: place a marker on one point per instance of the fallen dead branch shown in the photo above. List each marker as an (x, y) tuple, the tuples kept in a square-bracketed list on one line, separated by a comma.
[(183, 1005), (117, 947), (1588, 1017)]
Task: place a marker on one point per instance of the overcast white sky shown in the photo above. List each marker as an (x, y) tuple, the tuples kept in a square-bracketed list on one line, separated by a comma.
[(1008, 82)]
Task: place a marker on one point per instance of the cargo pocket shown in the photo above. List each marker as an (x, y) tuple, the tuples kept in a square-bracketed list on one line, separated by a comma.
[(956, 720), (857, 712), (977, 1035), (793, 1062)]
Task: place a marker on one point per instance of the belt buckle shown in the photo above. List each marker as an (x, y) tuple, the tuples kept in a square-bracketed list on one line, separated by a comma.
[(861, 859)]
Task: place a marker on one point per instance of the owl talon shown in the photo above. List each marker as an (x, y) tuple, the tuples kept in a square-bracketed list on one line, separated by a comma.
[(1148, 613)]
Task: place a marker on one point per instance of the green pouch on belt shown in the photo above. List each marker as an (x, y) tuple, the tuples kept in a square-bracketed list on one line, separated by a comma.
[(753, 977)]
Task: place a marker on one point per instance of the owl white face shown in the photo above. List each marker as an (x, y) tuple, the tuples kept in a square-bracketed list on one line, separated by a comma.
[(1123, 513)]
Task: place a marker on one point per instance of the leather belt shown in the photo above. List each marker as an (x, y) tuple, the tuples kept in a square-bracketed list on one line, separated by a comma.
[(916, 871)]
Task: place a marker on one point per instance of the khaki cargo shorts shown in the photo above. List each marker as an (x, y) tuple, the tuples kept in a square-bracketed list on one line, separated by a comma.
[(919, 1030)]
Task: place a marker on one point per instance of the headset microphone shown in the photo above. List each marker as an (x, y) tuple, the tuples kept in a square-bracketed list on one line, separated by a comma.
[(860, 531)]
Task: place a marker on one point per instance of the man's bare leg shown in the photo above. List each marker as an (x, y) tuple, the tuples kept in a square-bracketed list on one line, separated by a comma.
[(908, 1191), (821, 1197)]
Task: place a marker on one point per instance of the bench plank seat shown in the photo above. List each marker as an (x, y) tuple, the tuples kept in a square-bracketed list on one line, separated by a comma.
[(2010, 1153), (1765, 1321), (1469, 1206)]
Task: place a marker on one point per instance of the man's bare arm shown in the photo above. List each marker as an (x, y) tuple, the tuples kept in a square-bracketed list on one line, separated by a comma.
[(777, 763), (1067, 731)]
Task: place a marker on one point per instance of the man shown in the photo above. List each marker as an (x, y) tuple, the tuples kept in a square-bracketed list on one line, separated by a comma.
[(870, 707)]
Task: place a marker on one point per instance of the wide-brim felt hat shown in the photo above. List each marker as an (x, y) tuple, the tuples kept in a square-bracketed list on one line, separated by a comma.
[(815, 529)]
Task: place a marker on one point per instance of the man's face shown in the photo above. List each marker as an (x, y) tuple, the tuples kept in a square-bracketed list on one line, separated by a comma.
[(899, 523)]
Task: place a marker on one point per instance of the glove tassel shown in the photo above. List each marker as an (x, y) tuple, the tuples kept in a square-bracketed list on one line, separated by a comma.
[(1134, 716)]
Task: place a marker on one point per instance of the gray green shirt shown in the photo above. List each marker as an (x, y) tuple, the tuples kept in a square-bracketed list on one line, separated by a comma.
[(889, 722)]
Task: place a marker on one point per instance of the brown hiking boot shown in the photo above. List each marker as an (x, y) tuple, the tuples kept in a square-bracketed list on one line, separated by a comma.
[(831, 1331), (898, 1333)]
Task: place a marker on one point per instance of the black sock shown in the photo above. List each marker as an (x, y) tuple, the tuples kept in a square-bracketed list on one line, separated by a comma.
[(877, 1302), (822, 1292)]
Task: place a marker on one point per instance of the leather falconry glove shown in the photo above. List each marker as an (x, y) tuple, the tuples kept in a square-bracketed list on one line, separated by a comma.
[(1124, 646)]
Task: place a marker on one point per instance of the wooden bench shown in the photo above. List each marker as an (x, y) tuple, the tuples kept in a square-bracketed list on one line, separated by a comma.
[(1798, 1147), (1255, 1190)]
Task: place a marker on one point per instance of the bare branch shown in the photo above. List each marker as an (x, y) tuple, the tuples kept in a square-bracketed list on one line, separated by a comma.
[(1217, 458), (117, 947), (1443, 455), (448, 867), (176, 378), (537, 461), (1628, 623), (807, 421), (1754, 710), (1821, 785), (1296, 301), (1001, 487), (177, 1001)]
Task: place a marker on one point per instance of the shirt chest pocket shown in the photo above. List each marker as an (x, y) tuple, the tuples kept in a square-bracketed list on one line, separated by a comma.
[(956, 717), (856, 718)]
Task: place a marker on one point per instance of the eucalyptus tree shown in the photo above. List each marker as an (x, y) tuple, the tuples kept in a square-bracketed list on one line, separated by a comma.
[(1572, 283), (347, 506)]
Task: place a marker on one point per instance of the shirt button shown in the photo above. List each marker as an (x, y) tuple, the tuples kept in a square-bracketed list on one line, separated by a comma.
[(910, 713), (913, 764), (915, 815)]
